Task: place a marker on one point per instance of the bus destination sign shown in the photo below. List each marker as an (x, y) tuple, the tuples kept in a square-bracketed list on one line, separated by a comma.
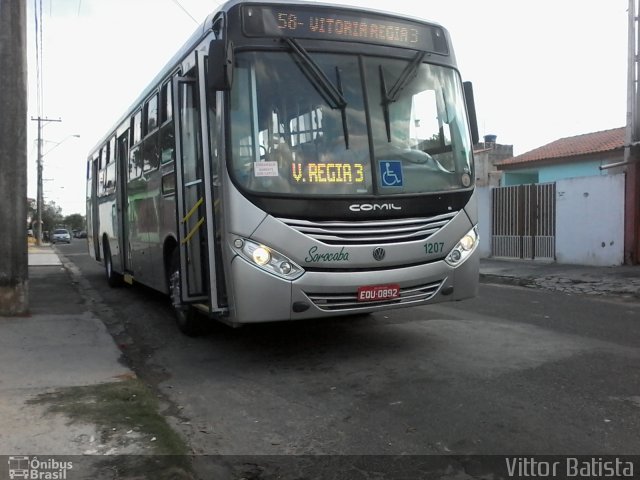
[(328, 172), (327, 24)]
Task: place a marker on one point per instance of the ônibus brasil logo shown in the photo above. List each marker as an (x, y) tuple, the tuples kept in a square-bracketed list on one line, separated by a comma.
[(21, 466)]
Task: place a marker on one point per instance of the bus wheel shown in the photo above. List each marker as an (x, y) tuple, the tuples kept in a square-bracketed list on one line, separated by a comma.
[(187, 319), (113, 279)]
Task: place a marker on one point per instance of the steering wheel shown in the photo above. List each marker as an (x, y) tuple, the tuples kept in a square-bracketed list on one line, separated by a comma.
[(406, 154)]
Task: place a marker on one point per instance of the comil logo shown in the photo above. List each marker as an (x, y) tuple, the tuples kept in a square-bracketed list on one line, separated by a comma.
[(372, 207), (33, 468)]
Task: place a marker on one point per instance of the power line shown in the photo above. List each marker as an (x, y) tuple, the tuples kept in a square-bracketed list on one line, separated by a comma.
[(38, 21), (185, 11), (41, 62), (37, 45)]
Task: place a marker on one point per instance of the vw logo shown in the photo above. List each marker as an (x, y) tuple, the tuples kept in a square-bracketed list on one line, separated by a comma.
[(379, 253)]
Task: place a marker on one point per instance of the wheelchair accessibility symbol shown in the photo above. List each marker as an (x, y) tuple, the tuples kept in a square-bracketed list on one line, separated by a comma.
[(391, 173)]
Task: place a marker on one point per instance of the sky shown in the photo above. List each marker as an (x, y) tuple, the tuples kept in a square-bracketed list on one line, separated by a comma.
[(541, 70)]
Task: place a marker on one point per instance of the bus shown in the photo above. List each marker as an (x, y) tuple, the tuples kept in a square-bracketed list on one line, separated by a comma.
[(293, 160)]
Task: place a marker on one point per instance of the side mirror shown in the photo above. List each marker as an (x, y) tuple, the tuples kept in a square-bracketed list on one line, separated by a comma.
[(471, 111), (220, 65)]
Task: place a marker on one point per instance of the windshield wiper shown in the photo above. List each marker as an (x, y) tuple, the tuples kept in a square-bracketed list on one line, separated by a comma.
[(323, 85), (405, 78)]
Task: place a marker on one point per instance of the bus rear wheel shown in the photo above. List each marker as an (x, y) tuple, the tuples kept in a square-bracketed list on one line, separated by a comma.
[(187, 318), (113, 279)]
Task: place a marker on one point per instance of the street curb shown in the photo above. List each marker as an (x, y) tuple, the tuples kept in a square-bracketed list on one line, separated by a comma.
[(563, 284), (508, 280)]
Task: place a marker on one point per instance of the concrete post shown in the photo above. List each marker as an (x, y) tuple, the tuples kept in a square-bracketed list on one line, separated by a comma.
[(38, 231), (632, 137), (13, 158), (40, 200)]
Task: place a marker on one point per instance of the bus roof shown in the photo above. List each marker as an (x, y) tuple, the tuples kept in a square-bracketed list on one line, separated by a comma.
[(205, 27)]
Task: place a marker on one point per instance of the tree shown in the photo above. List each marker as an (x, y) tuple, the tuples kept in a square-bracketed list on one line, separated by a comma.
[(75, 221), (51, 216)]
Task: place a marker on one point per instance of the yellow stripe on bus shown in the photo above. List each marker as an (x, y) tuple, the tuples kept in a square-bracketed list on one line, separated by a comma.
[(193, 231), (193, 210)]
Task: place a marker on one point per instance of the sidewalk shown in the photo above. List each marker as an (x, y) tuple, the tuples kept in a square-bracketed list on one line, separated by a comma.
[(58, 345), (65, 389), (619, 281), (42, 256)]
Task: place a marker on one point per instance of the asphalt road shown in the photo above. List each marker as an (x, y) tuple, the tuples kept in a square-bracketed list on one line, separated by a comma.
[(513, 371)]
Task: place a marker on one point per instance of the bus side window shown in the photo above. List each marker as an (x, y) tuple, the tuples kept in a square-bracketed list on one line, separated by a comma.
[(136, 128), (102, 171), (110, 180), (167, 142), (89, 177), (151, 114), (150, 156), (135, 158)]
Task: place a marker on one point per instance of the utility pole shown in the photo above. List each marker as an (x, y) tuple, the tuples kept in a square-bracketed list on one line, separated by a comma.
[(39, 200), (13, 159), (632, 144)]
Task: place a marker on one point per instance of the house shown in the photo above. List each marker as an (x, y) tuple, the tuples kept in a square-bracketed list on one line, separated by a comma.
[(564, 201), (486, 154), (570, 157)]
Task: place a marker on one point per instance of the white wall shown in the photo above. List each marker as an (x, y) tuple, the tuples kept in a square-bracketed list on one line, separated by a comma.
[(590, 220), (484, 220)]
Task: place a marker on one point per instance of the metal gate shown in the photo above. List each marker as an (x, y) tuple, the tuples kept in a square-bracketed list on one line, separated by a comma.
[(524, 221)]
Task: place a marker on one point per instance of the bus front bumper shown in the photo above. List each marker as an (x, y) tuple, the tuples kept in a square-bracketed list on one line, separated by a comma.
[(262, 297)]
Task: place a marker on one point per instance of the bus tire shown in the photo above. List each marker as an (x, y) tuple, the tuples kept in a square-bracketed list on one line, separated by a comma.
[(188, 320), (113, 279)]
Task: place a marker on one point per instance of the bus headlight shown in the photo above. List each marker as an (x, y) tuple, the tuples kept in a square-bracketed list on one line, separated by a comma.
[(261, 255), (463, 248), (267, 259)]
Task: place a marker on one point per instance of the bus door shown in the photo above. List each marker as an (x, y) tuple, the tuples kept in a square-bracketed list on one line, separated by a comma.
[(122, 203), (95, 217), (196, 225)]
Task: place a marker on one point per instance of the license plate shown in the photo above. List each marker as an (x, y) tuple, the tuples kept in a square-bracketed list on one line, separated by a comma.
[(376, 293)]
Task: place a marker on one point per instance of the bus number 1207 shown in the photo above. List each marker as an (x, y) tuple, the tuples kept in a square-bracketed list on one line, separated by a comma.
[(433, 247)]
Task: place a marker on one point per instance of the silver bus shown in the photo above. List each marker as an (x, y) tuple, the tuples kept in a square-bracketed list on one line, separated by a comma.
[(293, 160)]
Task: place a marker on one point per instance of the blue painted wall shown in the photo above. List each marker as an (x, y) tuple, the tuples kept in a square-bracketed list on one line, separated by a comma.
[(553, 173)]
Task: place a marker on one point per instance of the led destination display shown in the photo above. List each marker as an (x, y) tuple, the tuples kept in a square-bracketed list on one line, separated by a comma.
[(328, 172), (323, 23)]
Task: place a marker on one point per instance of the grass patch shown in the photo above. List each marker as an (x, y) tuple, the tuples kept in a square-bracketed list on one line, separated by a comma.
[(116, 408)]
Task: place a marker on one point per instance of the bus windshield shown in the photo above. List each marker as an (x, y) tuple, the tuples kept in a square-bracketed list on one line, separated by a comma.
[(407, 135)]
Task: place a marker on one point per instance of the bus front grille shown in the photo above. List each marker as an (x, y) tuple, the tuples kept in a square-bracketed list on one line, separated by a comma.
[(371, 232), (349, 301)]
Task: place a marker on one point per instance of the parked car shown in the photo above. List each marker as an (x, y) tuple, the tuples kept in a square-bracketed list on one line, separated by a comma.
[(81, 234), (61, 235)]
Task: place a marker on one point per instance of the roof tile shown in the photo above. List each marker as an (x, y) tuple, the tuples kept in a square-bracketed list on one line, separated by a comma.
[(597, 142)]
